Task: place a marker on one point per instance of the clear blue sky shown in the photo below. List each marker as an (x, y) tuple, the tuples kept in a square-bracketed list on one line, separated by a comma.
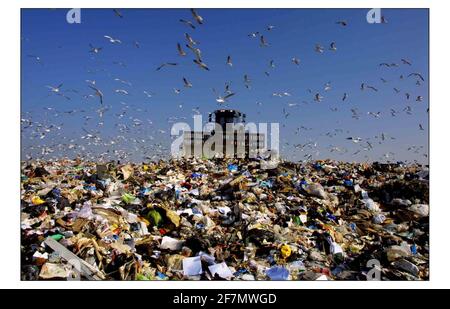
[(65, 58)]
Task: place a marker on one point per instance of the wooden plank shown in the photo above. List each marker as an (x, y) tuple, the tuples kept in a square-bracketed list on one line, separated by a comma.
[(85, 268)]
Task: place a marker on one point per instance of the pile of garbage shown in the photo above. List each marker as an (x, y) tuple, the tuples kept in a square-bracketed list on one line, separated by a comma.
[(224, 219)]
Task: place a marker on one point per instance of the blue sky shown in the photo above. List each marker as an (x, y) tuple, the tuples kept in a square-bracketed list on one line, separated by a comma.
[(65, 58)]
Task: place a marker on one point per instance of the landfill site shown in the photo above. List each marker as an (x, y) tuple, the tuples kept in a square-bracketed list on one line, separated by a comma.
[(139, 163), (224, 219)]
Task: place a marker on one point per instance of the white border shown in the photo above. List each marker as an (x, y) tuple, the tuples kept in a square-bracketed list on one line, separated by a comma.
[(9, 168)]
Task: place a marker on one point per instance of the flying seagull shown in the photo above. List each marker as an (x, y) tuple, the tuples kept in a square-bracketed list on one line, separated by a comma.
[(417, 75), (196, 51), (333, 46), (118, 13), (112, 40), (319, 48), (187, 84), (190, 39), (187, 22), (406, 61), (263, 41), (295, 60), (342, 23), (229, 61), (97, 93), (166, 64), (197, 17), (94, 50), (201, 64), (181, 52), (56, 89), (220, 99)]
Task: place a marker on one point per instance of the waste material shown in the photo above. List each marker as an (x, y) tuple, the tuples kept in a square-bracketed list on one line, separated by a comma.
[(223, 219)]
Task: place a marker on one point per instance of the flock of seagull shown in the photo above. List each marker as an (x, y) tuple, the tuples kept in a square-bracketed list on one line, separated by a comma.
[(127, 140)]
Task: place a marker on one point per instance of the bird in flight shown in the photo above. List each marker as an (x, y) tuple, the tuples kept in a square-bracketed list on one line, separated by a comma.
[(94, 50), (342, 23), (229, 62), (405, 61), (201, 64), (166, 64), (187, 84), (197, 17), (333, 46), (417, 75), (112, 40), (97, 93), (187, 22), (181, 52), (117, 13)]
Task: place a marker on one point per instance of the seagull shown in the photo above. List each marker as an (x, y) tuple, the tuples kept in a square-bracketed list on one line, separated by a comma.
[(388, 64), (94, 50), (97, 93), (420, 127), (196, 51), (55, 89), (407, 95), (181, 52), (417, 75), (383, 80), (270, 27), (177, 91), (112, 40), (376, 115), (342, 23), (149, 95), (406, 61), (393, 112), (164, 64), (220, 99), (263, 41), (121, 91), (116, 11), (318, 48), (327, 86), (122, 81), (318, 97), (363, 86), (187, 84), (383, 20), (396, 90), (137, 44), (201, 64), (197, 17), (37, 58), (254, 34), (295, 61), (229, 61), (333, 46), (190, 39), (267, 73), (408, 110), (419, 98), (187, 22), (345, 97), (355, 139), (272, 64)]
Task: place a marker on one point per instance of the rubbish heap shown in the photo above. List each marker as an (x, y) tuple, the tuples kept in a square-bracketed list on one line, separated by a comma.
[(224, 219)]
